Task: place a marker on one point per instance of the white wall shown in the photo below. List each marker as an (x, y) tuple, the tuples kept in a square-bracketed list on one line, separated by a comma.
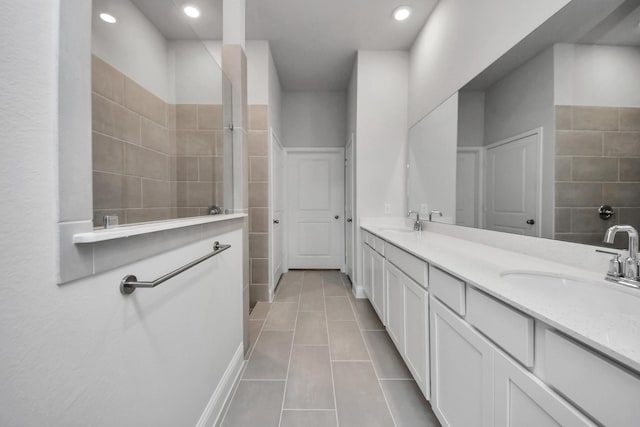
[(432, 161), (196, 77), (460, 39), (470, 119), (314, 119), (81, 353), (257, 52), (380, 85), (133, 45), (274, 98), (606, 76)]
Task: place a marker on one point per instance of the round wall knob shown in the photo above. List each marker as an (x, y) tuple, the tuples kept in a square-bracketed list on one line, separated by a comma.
[(276, 221), (531, 221), (349, 220), (336, 217)]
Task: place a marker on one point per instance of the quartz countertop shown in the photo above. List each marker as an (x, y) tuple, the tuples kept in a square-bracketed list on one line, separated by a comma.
[(612, 327)]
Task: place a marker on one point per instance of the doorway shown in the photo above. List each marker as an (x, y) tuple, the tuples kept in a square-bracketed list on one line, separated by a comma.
[(315, 208)]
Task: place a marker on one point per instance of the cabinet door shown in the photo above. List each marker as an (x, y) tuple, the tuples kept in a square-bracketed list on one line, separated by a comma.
[(416, 332), (377, 280), (395, 306), (522, 400), (367, 271), (461, 371)]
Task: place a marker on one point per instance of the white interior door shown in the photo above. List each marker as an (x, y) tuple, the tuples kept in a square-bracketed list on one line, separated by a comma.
[(468, 187), (513, 185), (276, 211), (315, 229), (348, 188)]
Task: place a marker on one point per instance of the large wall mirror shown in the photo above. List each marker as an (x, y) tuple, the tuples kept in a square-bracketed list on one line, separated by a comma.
[(543, 138), (161, 109)]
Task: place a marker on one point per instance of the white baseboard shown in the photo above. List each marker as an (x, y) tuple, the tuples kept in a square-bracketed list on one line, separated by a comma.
[(358, 292), (221, 394)]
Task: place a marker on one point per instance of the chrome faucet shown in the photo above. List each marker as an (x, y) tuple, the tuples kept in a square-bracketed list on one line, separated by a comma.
[(434, 213), (417, 226), (630, 267)]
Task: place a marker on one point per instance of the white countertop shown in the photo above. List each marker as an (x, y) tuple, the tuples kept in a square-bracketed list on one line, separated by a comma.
[(603, 315), (121, 231)]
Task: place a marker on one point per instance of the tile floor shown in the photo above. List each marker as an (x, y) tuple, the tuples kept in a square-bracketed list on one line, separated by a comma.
[(322, 358)]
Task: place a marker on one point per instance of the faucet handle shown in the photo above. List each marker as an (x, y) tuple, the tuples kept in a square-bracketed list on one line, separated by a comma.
[(615, 264)]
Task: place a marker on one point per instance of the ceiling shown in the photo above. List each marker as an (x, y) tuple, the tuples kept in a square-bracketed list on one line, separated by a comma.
[(313, 42)]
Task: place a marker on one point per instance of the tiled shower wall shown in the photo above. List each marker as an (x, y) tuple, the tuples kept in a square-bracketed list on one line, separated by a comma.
[(151, 160), (597, 162), (258, 149)]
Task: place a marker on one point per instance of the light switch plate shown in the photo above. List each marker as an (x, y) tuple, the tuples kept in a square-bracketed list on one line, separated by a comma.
[(424, 210), (387, 208)]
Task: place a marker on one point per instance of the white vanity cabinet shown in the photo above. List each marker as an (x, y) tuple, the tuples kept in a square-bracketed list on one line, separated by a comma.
[(378, 283), (373, 272), (395, 303), (416, 333), (461, 371), (521, 399), (367, 270)]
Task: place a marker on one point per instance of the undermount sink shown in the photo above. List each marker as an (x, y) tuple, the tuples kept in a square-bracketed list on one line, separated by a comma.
[(541, 278), (574, 292)]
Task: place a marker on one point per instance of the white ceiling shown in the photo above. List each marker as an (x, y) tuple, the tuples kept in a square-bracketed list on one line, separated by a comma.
[(313, 42)]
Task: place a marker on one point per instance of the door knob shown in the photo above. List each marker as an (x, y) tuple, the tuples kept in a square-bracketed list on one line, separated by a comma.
[(336, 217), (531, 221), (276, 221), (349, 220)]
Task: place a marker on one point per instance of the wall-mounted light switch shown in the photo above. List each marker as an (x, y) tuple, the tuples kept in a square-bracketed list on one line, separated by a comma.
[(387, 208), (424, 209)]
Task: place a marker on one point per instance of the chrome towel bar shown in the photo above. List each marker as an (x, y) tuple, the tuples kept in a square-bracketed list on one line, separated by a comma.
[(130, 283)]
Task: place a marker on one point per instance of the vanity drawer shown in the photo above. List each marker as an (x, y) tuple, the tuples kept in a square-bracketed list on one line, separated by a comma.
[(412, 266), (606, 391), (450, 290), (366, 236), (378, 245), (510, 329)]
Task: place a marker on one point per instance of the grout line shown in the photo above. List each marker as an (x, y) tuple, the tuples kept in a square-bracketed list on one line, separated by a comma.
[(293, 338), (263, 380), (309, 410), (366, 345), (333, 383)]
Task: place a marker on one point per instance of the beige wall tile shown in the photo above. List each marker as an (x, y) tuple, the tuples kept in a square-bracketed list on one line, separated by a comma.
[(195, 143), (186, 168), (587, 220), (156, 194), (210, 168), (149, 214), (630, 216), (259, 271), (186, 116), (595, 169), (106, 80), (259, 220), (258, 169), (111, 191), (562, 220), (563, 117), (108, 154), (630, 169), (182, 195), (171, 116), (201, 194), (578, 194), (210, 117), (585, 238), (579, 143), (139, 161), (258, 245), (155, 136), (630, 119), (595, 118), (624, 144), (563, 168), (188, 212), (258, 195), (258, 117), (258, 144), (258, 293), (220, 140), (622, 194), (114, 120), (143, 102)]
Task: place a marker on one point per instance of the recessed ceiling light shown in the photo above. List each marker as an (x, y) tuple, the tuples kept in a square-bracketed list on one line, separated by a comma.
[(402, 13), (108, 18), (191, 11)]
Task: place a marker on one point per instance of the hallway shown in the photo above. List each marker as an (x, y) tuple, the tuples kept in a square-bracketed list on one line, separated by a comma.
[(322, 358)]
